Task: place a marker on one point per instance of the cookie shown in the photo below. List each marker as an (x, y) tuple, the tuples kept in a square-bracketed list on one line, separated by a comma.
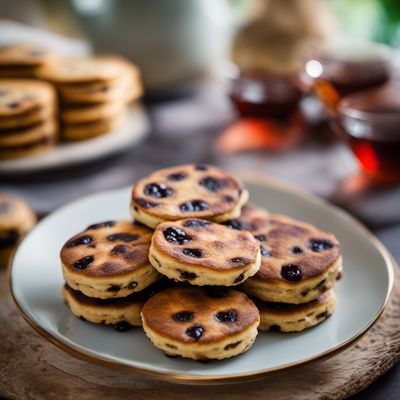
[(84, 70), (27, 119), (201, 323), (83, 131), (24, 55), (109, 259), (204, 253), (28, 150), (285, 317), (126, 88), (81, 113), (298, 261), (187, 191), (123, 312), (16, 220), (19, 96)]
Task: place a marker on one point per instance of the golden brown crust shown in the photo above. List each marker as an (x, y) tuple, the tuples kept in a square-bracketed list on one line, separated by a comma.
[(287, 242), (160, 313), (108, 251), (199, 191), (24, 55), (206, 245)]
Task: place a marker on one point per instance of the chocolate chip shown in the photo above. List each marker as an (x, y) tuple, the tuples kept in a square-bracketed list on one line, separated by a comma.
[(83, 262), (235, 224), (260, 238), (114, 288), (106, 224), (324, 314), (265, 252), (229, 199), (123, 236), (212, 184), (216, 292), (188, 276), (79, 241), (158, 190), (132, 285), (183, 316), (120, 250), (195, 332), (13, 105), (196, 253), (297, 250), (239, 260), (275, 327), (145, 203), (239, 278), (195, 223), (319, 245), (226, 316), (291, 272), (122, 326), (194, 206), (177, 176), (232, 345), (176, 235), (201, 167)]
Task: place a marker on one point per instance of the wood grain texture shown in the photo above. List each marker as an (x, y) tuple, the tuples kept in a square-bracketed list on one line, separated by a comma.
[(32, 368)]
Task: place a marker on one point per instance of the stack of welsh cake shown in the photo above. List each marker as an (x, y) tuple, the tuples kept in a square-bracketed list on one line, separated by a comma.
[(94, 93)]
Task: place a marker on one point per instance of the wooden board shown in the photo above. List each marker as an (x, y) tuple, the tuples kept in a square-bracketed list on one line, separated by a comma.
[(32, 368)]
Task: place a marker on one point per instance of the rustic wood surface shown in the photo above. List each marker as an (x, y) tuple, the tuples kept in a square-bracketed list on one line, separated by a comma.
[(32, 368)]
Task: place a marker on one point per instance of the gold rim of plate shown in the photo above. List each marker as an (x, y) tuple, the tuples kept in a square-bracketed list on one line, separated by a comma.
[(241, 377)]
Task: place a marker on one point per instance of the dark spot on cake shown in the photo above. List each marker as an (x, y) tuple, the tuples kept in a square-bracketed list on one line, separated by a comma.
[(171, 346), (13, 105), (158, 190), (229, 199), (305, 292), (226, 316), (114, 288), (291, 272), (320, 245), (123, 236), (86, 239), (183, 316), (120, 250), (83, 262), (194, 206), (196, 253), (176, 235), (105, 224), (339, 276), (122, 326), (275, 328), (239, 260), (324, 314), (5, 207), (145, 203), (216, 292), (212, 184), (195, 223), (195, 332), (157, 261), (265, 252), (201, 167), (236, 224), (232, 345), (177, 176), (135, 208), (239, 278), (132, 285), (260, 238), (109, 267), (187, 276), (297, 250)]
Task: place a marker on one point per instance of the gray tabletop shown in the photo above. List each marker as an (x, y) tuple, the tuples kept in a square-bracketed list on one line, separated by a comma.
[(184, 130)]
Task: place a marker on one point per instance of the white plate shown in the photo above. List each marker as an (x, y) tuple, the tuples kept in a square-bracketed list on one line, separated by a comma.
[(130, 133), (362, 293)]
